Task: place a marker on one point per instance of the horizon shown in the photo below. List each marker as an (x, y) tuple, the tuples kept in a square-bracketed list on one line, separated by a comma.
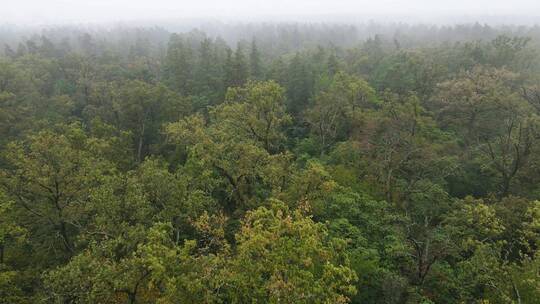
[(99, 12)]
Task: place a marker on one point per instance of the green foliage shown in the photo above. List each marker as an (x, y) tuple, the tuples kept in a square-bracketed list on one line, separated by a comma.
[(284, 256), (302, 167), (49, 176), (337, 108), (258, 111)]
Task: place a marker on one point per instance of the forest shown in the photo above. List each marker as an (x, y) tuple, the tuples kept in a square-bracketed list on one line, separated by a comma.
[(270, 163)]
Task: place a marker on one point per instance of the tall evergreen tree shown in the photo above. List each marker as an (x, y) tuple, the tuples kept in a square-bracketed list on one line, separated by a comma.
[(255, 64), (179, 65)]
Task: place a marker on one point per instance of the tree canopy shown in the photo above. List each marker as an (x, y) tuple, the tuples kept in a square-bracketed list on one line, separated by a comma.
[(291, 164)]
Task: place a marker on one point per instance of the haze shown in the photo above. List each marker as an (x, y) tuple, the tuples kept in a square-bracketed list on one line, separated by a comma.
[(27, 12)]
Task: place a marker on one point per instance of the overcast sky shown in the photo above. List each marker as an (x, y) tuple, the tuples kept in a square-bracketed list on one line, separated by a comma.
[(83, 11)]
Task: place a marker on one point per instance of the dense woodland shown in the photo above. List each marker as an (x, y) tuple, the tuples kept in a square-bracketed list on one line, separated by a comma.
[(280, 164)]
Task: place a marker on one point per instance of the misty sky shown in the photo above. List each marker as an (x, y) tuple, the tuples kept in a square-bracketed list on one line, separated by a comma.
[(82, 11)]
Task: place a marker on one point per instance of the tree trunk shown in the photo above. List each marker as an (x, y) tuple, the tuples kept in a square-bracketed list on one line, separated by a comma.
[(505, 187), (1, 253), (132, 298), (63, 233), (140, 145), (516, 292), (388, 186)]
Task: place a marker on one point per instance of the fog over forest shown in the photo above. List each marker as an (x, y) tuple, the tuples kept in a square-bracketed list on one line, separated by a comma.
[(80, 11), (307, 151)]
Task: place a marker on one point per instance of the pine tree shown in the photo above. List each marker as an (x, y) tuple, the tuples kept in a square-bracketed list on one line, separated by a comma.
[(179, 65), (240, 67), (255, 61), (236, 68), (299, 85)]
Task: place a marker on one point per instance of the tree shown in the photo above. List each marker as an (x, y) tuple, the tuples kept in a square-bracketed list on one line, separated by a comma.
[(243, 167), (179, 67), (474, 103), (112, 271), (506, 50), (282, 256), (337, 107), (11, 235), (142, 108), (255, 65), (368, 226), (236, 68), (494, 240), (299, 85), (10, 231), (207, 76), (489, 115), (50, 176), (236, 142), (257, 110), (509, 152), (12, 115), (19, 96), (500, 281), (408, 71)]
